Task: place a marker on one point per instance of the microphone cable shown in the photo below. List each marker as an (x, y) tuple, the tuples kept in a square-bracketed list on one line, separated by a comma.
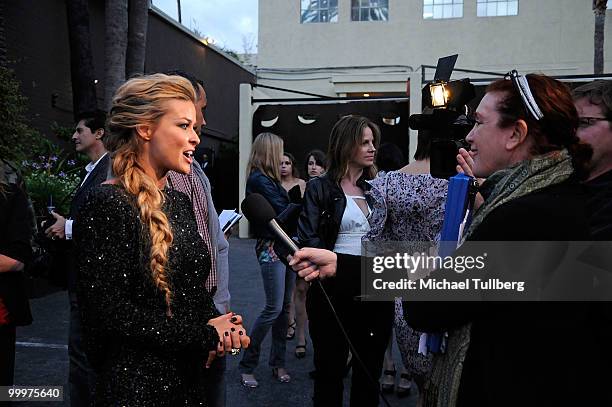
[(373, 381)]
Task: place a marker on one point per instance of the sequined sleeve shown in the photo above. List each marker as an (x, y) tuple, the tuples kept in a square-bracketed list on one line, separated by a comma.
[(118, 300)]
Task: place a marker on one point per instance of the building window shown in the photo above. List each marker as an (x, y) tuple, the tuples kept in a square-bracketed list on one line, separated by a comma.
[(319, 11), (369, 10), (442, 9), (494, 8)]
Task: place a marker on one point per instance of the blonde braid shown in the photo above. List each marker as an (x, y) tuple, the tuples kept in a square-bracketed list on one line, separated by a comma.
[(139, 101), (149, 200)]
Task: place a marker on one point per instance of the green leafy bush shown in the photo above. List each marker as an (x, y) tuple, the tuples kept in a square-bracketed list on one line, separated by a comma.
[(51, 179)]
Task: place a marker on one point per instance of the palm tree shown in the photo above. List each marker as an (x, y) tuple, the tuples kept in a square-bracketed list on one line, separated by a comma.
[(599, 8), (2, 37), (115, 47), (137, 37), (81, 59)]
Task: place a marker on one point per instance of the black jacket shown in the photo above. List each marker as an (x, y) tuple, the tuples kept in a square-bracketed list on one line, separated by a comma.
[(524, 353), (259, 183), (600, 206), (16, 221), (97, 176), (324, 204)]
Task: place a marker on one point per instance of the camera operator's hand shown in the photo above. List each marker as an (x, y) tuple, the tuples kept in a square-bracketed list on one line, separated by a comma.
[(58, 229), (465, 163)]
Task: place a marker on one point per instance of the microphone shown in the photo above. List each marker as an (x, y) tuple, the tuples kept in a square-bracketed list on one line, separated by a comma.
[(258, 210)]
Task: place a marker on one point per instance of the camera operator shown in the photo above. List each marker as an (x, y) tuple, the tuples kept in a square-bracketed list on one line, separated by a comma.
[(507, 354)]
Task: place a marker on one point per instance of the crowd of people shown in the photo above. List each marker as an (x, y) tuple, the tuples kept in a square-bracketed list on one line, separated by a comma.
[(148, 270)]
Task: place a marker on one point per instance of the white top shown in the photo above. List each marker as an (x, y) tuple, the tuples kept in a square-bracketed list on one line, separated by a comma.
[(89, 168), (353, 226)]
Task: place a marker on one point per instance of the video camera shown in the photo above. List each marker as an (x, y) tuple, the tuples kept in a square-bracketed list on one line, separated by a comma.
[(445, 117)]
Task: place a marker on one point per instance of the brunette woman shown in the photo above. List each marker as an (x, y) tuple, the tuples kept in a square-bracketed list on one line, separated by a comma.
[(335, 217), (315, 166), (290, 175)]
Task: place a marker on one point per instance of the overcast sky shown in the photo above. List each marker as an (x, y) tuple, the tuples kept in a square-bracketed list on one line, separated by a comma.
[(226, 21)]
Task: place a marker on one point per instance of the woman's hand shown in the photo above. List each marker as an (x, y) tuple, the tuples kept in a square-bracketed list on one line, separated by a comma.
[(465, 165), (465, 162), (232, 335), (311, 263)]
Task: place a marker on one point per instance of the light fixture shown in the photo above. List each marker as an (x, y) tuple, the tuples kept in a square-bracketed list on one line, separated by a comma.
[(439, 94), (366, 95), (95, 81), (391, 120)]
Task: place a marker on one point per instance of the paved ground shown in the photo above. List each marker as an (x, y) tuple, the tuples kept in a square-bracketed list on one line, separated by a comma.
[(42, 351)]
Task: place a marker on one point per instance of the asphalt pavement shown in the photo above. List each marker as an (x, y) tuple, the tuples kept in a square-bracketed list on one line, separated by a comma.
[(42, 351)]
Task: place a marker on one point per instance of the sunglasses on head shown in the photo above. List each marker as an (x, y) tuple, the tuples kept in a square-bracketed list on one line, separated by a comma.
[(522, 86)]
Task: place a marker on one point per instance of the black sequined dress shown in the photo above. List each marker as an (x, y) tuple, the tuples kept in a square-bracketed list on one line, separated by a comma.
[(140, 355)]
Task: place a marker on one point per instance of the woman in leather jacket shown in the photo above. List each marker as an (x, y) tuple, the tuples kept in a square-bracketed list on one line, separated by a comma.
[(334, 217), (264, 178)]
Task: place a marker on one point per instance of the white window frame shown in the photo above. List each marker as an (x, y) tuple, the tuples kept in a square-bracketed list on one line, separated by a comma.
[(495, 8), (442, 9)]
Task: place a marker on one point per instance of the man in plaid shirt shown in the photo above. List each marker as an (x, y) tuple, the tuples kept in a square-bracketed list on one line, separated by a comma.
[(197, 187)]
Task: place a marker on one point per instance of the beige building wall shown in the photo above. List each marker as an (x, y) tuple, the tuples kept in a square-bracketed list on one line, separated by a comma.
[(551, 36)]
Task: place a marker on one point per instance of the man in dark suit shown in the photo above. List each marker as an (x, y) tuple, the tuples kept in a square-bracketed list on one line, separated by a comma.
[(87, 139)]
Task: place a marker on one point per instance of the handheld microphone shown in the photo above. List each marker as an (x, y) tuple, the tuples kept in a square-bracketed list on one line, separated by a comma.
[(258, 210)]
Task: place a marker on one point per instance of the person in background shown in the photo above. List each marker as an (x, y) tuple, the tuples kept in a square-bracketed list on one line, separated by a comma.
[(18, 226), (335, 217), (264, 178), (409, 207), (315, 166), (594, 104), (149, 324), (389, 158), (290, 175), (295, 186), (196, 186), (88, 139)]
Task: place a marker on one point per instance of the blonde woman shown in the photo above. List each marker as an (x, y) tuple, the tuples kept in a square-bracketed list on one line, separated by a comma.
[(264, 178), (149, 324)]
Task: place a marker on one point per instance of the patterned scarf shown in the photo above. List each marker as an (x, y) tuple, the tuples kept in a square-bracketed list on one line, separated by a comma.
[(503, 186)]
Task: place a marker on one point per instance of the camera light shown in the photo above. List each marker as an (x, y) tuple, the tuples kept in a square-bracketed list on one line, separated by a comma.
[(439, 95)]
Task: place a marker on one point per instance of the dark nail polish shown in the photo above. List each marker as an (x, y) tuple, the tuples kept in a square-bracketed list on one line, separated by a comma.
[(226, 333), (233, 329), (240, 333), (233, 319)]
